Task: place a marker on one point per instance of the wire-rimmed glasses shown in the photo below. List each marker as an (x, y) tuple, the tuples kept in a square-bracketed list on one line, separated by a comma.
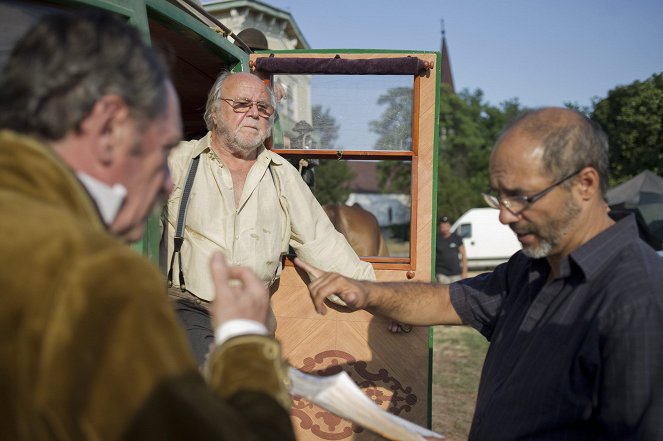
[(517, 204), (243, 105)]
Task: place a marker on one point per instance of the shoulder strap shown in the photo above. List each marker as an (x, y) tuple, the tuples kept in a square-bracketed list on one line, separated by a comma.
[(179, 230)]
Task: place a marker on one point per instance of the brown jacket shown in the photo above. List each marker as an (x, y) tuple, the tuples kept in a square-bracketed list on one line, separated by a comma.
[(89, 345)]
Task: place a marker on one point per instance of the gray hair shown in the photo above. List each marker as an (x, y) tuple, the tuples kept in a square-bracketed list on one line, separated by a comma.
[(213, 100), (66, 63), (570, 142)]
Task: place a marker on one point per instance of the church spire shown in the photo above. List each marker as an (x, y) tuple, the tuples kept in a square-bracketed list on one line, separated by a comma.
[(446, 76)]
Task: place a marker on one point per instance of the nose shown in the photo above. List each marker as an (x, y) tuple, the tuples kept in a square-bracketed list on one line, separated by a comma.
[(253, 110), (506, 216)]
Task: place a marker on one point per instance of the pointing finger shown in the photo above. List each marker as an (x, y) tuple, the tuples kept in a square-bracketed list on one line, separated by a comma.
[(310, 269), (219, 270)]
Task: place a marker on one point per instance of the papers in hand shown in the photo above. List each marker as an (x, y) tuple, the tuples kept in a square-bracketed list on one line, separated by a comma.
[(341, 396)]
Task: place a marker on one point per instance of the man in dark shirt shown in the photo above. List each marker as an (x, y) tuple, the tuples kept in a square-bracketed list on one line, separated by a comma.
[(575, 319), (450, 258)]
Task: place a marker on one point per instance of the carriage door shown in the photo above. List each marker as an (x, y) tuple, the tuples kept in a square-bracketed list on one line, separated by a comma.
[(362, 128)]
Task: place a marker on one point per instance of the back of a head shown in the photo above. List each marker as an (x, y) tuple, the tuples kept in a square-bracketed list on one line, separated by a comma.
[(66, 63)]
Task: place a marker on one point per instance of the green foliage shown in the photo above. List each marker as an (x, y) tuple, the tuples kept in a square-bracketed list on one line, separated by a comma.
[(332, 181), (632, 117), (395, 133), (325, 126), (395, 124), (332, 178), (468, 129), (585, 110), (395, 176)]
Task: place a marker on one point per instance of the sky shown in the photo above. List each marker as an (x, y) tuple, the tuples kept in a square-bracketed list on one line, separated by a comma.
[(542, 52)]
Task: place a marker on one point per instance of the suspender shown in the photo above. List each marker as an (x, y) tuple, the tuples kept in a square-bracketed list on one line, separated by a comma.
[(181, 215), (179, 230)]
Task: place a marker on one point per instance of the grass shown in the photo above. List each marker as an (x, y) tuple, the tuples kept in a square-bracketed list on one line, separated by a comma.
[(458, 354)]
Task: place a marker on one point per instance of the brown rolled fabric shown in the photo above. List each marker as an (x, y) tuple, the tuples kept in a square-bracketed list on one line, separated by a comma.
[(339, 66)]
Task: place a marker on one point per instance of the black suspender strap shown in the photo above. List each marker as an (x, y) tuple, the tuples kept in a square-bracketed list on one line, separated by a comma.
[(179, 230)]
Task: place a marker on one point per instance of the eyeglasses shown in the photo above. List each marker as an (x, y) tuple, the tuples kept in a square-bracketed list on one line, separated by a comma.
[(517, 204), (243, 105)]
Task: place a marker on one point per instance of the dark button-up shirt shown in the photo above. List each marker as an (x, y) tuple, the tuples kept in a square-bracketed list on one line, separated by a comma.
[(577, 358)]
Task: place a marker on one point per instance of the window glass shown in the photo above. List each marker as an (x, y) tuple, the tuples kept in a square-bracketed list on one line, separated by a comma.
[(465, 231), (344, 112), (367, 201)]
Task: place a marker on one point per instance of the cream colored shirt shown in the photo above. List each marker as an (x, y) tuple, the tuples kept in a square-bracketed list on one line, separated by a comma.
[(276, 209)]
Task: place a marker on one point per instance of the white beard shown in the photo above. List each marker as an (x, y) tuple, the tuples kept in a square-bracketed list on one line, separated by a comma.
[(238, 142)]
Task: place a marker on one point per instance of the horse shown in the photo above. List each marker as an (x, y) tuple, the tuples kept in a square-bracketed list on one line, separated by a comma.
[(360, 227)]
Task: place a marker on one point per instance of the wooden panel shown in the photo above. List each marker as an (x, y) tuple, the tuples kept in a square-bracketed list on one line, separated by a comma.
[(391, 368)]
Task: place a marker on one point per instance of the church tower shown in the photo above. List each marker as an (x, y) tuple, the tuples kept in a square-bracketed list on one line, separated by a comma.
[(446, 76)]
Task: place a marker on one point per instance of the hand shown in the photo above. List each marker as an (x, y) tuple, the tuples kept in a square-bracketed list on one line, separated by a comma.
[(324, 284), (240, 294)]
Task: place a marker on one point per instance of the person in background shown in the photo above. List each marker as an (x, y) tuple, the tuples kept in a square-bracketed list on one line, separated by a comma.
[(90, 346), (246, 201), (450, 257), (574, 319)]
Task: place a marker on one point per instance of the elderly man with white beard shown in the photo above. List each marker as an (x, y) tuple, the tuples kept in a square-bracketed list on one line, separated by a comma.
[(574, 320), (235, 196)]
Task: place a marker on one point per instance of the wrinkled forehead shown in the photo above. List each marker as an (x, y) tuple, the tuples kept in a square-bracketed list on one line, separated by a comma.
[(245, 86)]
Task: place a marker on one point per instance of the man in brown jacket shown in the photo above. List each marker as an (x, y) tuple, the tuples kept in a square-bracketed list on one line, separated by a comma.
[(89, 345)]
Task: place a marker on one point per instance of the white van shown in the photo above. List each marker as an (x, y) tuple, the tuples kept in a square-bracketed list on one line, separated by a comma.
[(487, 242)]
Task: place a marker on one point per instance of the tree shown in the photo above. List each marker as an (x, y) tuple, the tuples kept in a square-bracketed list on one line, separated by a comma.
[(468, 129), (394, 129), (632, 117), (332, 178), (332, 181)]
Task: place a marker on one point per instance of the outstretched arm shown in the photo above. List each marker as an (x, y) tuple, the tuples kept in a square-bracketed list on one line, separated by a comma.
[(415, 303)]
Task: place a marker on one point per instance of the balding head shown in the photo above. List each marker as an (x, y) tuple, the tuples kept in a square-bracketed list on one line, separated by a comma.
[(567, 141)]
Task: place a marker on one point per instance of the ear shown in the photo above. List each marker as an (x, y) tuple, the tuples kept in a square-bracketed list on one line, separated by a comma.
[(588, 183), (214, 115), (104, 126)]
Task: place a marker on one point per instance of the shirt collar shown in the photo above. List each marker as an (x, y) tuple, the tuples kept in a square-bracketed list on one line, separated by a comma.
[(269, 156), (108, 198), (604, 247), (201, 146)]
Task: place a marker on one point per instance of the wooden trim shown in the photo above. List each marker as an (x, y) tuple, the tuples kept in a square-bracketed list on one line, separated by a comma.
[(387, 262), (393, 266), (348, 154), (414, 193), (416, 104)]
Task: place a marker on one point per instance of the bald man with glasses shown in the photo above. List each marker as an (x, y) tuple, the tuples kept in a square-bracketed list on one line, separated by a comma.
[(233, 195), (574, 319)]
